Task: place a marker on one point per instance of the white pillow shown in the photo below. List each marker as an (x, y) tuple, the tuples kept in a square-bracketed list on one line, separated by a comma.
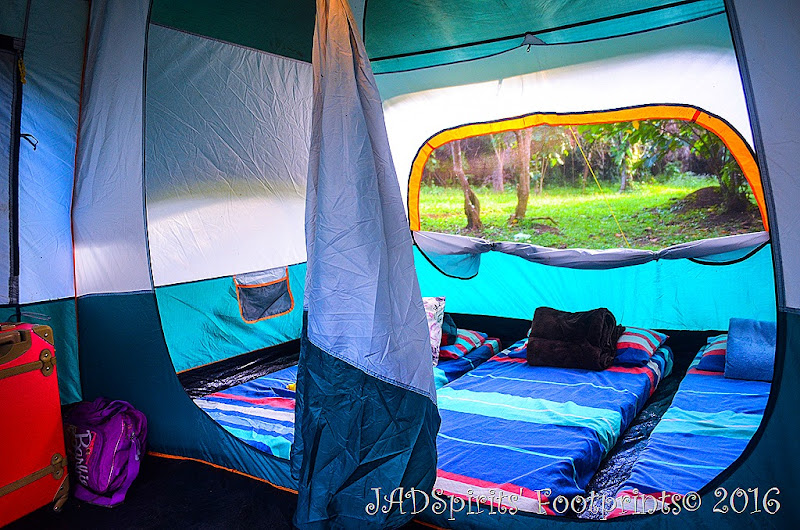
[(434, 311)]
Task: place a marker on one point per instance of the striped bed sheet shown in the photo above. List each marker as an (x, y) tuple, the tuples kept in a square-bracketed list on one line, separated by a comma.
[(706, 428), (261, 412), (535, 432), (449, 370)]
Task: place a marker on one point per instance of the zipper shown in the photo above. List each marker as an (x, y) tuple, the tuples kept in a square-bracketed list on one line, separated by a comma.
[(114, 454), (135, 442)]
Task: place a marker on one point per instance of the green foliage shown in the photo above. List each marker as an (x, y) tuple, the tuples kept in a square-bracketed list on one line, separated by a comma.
[(643, 145), (672, 172)]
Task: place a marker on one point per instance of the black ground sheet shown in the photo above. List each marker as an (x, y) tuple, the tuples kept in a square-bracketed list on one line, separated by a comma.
[(617, 466)]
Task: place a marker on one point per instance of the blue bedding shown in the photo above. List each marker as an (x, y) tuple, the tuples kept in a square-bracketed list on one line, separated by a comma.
[(524, 430), (261, 412), (449, 370), (706, 428)]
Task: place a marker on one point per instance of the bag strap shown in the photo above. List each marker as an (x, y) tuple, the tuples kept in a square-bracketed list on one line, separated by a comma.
[(45, 364)]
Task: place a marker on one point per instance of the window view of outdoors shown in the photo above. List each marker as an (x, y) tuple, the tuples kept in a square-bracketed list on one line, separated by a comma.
[(648, 185)]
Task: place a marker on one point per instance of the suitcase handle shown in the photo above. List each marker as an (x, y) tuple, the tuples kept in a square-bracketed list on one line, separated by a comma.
[(13, 343)]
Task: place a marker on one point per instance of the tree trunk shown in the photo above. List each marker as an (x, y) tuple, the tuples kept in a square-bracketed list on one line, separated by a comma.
[(624, 181), (524, 181), (540, 183), (497, 176), (472, 206), (585, 176)]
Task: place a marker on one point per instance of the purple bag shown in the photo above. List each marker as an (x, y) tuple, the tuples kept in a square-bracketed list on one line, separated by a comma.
[(105, 440)]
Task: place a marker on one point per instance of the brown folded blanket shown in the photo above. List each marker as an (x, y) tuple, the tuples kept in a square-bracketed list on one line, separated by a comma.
[(586, 340)]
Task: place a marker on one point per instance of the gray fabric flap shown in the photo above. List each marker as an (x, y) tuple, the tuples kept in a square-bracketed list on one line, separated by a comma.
[(451, 244), (581, 258)]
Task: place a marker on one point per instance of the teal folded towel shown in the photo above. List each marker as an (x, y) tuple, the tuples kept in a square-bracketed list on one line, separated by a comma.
[(751, 349)]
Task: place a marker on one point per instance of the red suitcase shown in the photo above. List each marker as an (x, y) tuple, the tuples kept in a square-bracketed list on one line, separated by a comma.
[(33, 466)]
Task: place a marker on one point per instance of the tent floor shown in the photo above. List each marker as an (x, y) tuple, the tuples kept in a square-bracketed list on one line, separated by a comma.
[(173, 494)]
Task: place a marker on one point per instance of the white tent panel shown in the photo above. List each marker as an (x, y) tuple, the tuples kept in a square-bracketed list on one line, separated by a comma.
[(53, 61), (227, 139), (362, 294), (108, 214), (7, 92), (772, 58)]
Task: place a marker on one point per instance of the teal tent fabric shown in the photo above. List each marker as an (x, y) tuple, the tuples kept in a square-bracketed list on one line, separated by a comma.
[(127, 358), (365, 412), (664, 294), (12, 17), (284, 27), (61, 316), (455, 30), (202, 321), (350, 424)]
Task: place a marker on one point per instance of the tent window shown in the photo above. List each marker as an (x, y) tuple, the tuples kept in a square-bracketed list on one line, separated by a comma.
[(646, 177), (264, 294)]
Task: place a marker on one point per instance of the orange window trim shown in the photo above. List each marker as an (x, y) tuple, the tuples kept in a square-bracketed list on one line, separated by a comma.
[(237, 286), (740, 150)]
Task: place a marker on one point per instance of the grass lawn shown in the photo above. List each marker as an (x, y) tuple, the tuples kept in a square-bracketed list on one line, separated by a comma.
[(649, 214)]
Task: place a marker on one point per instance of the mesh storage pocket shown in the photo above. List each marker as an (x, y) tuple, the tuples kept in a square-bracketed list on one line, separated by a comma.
[(264, 294)]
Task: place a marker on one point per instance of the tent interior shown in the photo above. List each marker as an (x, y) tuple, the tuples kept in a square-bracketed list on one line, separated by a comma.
[(155, 218)]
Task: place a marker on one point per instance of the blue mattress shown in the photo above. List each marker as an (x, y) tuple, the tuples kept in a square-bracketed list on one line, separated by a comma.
[(535, 432), (261, 412), (706, 428)]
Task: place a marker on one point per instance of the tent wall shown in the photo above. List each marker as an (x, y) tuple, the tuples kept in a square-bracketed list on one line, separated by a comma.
[(108, 210), (37, 194), (203, 322), (770, 69), (12, 17), (54, 48), (123, 352), (664, 294), (768, 48), (53, 61), (447, 31), (226, 157), (9, 145), (710, 34), (693, 64), (283, 27), (226, 147)]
